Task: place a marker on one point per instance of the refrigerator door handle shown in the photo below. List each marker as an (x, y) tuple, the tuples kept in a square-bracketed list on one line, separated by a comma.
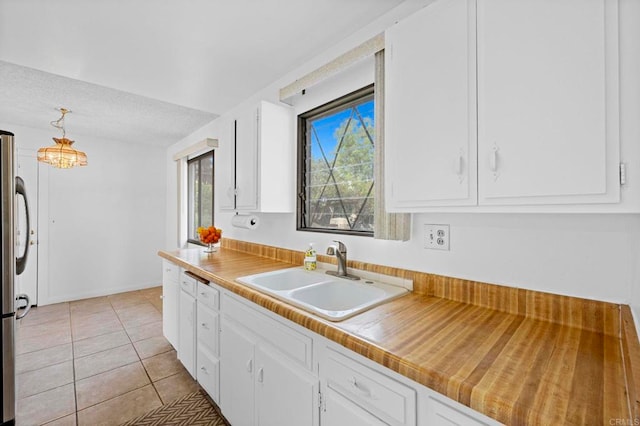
[(26, 308), (21, 262)]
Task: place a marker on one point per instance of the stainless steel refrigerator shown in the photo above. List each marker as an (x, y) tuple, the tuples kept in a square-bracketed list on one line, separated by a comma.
[(12, 192)]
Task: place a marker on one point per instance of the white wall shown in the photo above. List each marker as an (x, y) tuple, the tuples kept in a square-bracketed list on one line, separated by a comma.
[(105, 221), (586, 255)]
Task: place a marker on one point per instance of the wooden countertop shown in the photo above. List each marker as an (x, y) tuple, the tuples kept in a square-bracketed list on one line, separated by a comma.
[(515, 369)]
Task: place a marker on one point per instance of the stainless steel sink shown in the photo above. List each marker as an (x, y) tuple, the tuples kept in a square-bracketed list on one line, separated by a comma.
[(329, 297)]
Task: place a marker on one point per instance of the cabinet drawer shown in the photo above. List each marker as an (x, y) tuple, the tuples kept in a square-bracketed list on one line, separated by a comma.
[(446, 415), (382, 396), (208, 373), (188, 284), (208, 325), (208, 296), (170, 271), (288, 341)]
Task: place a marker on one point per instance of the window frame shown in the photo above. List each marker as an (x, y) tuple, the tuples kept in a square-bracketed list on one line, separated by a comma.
[(190, 218), (324, 110)]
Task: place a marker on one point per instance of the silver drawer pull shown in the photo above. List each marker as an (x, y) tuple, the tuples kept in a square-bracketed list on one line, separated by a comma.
[(360, 387), (204, 370), (204, 294), (204, 325)]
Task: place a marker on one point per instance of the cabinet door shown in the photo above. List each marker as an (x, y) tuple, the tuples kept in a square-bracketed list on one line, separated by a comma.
[(225, 166), (236, 374), (170, 296), (247, 161), (187, 333), (209, 373), (441, 414), (547, 101), (339, 411), (430, 108), (285, 394), (207, 328)]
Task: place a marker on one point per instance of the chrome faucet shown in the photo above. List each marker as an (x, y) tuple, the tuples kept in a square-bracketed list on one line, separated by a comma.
[(340, 251)]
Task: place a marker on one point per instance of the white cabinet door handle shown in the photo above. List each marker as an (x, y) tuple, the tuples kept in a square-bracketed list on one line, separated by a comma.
[(459, 163), (260, 375), (360, 387), (203, 294), (204, 370), (493, 159), (249, 366), (204, 325)]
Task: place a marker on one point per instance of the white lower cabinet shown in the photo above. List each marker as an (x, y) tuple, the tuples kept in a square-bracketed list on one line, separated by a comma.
[(261, 381), (364, 390), (441, 414), (285, 394), (207, 340), (237, 374), (170, 300), (339, 411), (263, 370), (187, 332)]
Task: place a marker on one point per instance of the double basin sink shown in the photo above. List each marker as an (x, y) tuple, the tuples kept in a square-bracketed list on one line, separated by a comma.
[(327, 296)]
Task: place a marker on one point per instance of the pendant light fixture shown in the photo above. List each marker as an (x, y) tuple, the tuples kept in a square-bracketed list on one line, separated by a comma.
[(62, 155)]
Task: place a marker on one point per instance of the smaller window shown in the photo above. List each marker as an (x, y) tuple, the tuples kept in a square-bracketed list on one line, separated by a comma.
[(335, 166), (200, 191)]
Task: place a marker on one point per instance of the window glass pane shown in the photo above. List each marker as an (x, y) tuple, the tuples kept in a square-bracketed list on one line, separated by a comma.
[(206, 188), (339, 166), (200, 194), (194, 209)]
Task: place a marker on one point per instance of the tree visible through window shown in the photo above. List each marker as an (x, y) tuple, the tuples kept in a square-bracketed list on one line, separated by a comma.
[(200, 190), (336, 165)]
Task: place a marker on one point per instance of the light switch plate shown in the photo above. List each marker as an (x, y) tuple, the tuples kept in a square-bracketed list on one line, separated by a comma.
[(436, 237)]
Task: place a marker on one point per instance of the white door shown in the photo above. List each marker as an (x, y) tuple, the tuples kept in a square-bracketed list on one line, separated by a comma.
[(430, 108), (547, 102), (286, 395), (27, 169), (247, 161), (339, 411), (187, 333), (236, 374)]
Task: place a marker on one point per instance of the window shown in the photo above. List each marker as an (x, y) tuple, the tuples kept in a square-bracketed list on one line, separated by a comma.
[(335, 166), (200, 192)]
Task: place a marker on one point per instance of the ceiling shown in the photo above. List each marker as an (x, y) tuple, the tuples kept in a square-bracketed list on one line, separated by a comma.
[(153, 71)]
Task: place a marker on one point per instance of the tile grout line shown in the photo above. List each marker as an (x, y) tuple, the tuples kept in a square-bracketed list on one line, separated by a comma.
[(71, 320), (138, 355)]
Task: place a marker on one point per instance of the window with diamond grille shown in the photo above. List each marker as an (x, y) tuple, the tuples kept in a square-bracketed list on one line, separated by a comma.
[(336, 153)]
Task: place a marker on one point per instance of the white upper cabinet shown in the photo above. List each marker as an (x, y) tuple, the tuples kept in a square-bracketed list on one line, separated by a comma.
[(503, 103), (430, 108), (263, 176), (548, 101)]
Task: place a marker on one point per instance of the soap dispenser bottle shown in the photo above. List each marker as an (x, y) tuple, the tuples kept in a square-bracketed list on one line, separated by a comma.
[(310, 262)]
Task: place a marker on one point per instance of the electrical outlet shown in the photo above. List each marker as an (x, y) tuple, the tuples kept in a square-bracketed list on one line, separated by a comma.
[(436, 237)]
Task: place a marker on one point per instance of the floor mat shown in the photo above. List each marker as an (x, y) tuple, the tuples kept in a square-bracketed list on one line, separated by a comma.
[(190, 410)]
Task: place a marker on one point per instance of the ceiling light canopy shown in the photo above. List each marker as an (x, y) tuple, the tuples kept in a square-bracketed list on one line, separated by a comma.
[(62, 155)]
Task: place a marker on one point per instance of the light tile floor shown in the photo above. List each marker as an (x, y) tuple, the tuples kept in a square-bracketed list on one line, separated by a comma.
[(99, 361)]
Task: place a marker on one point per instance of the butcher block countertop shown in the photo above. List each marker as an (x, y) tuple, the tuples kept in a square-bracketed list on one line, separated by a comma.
[(513, 368)]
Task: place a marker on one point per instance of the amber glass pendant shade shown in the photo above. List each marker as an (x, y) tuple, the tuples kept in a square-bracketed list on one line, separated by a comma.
[(62, 155)]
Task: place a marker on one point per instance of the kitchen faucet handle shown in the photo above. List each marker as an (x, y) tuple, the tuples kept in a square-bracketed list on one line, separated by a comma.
[(341, 247)]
